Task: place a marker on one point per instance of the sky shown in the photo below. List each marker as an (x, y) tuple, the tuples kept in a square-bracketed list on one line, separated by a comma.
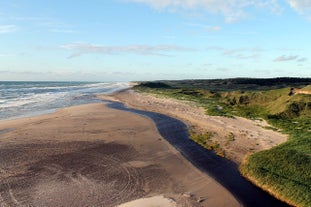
[(134, 40)]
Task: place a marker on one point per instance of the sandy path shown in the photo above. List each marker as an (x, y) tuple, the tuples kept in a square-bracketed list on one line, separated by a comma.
[(249, 136), (93, 156)]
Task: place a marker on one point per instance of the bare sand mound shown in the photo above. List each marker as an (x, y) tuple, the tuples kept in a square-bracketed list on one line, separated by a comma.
[(156, 201)]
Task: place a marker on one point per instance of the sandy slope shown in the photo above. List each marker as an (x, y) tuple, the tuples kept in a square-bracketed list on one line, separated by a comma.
[(93, 156), (249, 136)]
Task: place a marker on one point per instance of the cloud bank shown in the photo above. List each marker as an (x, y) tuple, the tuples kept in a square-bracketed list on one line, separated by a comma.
[(232, 10), (86, 48), (301, 6), (239, 53)]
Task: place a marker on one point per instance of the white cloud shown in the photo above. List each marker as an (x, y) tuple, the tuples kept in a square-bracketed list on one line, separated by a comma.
[(7, 28), (213, 28), (232, 10), (85, 48), (62, 31), (301, 6), (204, 27), (303, 59), (51, 24), (284, 58), (239, 53)]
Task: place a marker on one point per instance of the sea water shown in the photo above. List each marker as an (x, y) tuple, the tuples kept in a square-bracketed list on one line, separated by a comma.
[(22, 99)]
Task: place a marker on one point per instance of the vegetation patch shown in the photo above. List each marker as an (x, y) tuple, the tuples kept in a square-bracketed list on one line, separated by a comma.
[(204, 139), (285, 170), (230, 138), (155, 85)]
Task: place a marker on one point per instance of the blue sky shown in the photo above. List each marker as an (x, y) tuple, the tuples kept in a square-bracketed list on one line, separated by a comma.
[(128, 40)]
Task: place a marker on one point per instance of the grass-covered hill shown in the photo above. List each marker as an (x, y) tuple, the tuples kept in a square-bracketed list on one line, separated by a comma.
[(284, 171), (238, 83), (240, 96)]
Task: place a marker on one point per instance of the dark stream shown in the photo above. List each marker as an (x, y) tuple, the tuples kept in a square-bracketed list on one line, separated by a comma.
[(221, 169)]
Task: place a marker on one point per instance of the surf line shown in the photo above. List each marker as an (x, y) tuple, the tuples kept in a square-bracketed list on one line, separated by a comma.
[(221, 169)]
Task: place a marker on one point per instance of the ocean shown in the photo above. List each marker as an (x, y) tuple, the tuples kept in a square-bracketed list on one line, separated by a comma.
[(24, 99)]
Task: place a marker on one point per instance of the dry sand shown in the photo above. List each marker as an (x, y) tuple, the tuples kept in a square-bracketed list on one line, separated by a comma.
[(249, 136), (90, 155), (156, 201)]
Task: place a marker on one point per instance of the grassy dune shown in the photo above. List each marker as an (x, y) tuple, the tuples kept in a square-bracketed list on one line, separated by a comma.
[(284, 171)]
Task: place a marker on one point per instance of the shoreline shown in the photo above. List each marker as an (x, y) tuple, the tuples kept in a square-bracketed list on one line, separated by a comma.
[(26, 99), (35, 114), (57, 156)]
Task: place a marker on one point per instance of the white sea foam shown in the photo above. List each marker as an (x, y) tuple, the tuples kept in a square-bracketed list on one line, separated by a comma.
[(26, 98)]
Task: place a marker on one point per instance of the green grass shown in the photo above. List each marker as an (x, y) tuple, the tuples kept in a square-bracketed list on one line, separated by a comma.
[(204, 139), (285, 170)]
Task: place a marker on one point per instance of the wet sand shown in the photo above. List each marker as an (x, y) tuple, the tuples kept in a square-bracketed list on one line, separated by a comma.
[(91, 155)]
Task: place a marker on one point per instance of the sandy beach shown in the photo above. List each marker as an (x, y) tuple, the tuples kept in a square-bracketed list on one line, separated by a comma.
[(91, 155)]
